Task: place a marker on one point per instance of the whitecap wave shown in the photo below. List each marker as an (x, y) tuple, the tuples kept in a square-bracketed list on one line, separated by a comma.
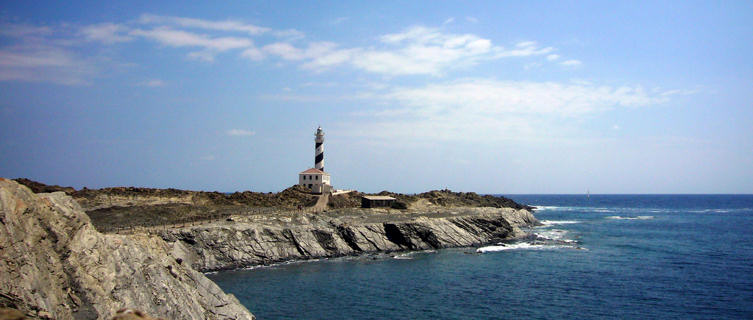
[(556, 235), (552, 234), (516, 246), (410, 255), (719, 210), (548, 223), (631, 218)]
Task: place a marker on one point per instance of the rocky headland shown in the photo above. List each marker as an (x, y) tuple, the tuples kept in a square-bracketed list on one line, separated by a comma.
[(166, 237), (56, 265), (265, 239)]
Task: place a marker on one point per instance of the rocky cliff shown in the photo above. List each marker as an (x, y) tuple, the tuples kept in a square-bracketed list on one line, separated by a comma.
[(54, 264), (248, 241)]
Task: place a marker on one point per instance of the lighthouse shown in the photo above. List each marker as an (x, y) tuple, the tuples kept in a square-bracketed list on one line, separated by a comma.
[(316, 179), (319, 149)]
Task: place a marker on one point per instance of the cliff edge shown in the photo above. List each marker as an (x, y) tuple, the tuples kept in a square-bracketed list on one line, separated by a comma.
[(263, 239), (55, 265)]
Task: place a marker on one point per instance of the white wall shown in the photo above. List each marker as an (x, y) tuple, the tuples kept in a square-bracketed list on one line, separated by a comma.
[(315, 180)]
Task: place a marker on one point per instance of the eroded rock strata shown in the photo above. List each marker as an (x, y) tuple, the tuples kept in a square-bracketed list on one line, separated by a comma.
[(59, 266), (249, 241), (54, 264)]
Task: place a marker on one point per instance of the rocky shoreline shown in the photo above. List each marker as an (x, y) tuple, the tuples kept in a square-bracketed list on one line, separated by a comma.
[(61, 267), (56, 265), (259, 241)]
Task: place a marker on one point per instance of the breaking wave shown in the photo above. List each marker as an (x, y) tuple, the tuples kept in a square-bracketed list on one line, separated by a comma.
[(631, 218), (410, 255), (545, 208), (548, 223), (555, 235), (517, 246)]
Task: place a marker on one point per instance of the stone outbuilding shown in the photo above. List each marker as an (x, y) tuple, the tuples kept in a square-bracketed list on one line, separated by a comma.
[(377, 201)]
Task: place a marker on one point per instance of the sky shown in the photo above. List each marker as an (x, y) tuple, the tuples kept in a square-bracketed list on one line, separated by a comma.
[(494, 97)]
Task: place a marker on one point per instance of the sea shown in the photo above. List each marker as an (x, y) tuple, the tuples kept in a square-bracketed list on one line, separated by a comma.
[(594, 257)]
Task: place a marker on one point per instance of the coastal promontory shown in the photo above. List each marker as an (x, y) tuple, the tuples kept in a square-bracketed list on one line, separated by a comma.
[(81, 254), (56, 265)]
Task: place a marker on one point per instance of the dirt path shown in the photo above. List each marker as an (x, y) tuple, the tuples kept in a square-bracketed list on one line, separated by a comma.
[(321, 203)]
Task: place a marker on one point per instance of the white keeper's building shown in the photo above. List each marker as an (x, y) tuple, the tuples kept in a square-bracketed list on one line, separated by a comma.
[(316, 179)]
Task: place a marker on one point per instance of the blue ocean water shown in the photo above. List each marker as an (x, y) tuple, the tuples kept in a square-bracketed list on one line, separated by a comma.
[(607, 256)]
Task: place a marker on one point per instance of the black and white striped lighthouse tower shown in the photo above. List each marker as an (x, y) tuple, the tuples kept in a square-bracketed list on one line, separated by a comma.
[(319, 149)]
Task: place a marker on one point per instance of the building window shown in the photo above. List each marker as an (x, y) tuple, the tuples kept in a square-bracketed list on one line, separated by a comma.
[(317, 177)]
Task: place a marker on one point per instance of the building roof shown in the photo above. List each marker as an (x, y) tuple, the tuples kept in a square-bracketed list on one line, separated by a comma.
[(313, 171), (379, 198)]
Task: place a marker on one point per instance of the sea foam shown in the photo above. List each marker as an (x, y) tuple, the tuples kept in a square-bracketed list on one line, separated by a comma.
[(516, 246), (548, 223), (544, 208), (631, 218), (555, 235)]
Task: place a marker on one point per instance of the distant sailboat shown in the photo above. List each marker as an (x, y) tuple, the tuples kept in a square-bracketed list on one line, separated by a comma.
[(588, 194)]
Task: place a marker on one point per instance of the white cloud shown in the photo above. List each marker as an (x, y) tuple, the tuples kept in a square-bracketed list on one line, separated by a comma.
[(222, 25), (218, 25), (682, 92), (571, 63), (35, 57), (153, 83), (42, 54), (330, 58), (43, 63), (253, 54), (504, 97), (240, 132), (552, 57), (485, 110), (24, 30), (525, 49), (616, 127), (56, 54), (449, 20), (291, 34), (204, 56), (471, 19), (285, 50), (318, 55), (415, 51), (179, 38), (106, 33)]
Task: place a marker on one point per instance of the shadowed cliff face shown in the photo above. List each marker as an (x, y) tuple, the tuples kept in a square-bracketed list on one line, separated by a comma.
[(228, 245), (54, 264)]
